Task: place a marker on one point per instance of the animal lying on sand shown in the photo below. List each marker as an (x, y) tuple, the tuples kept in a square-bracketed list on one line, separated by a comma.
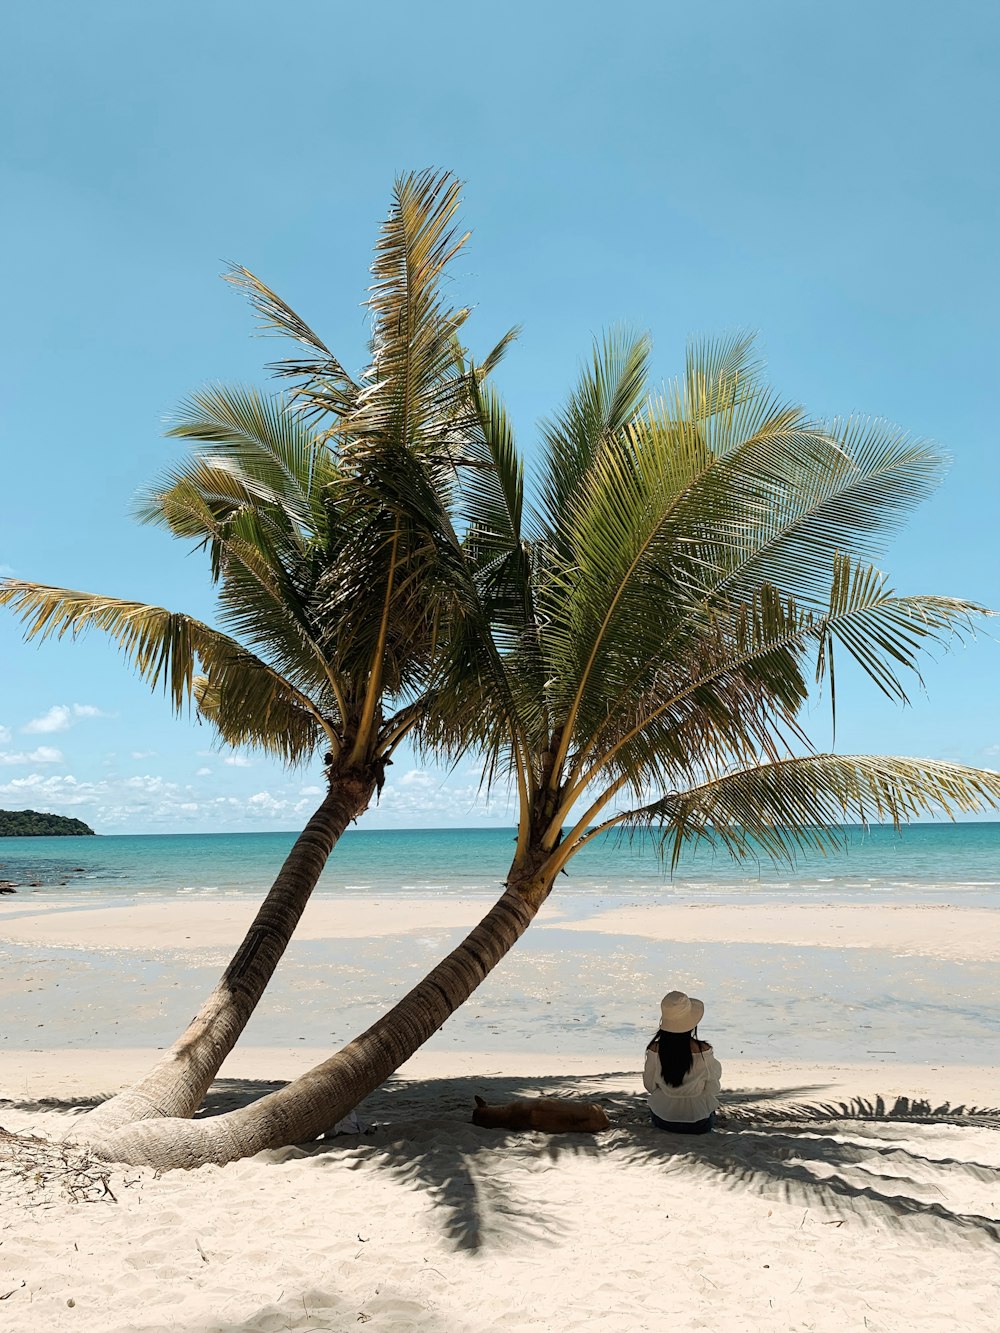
[(549, 1114)]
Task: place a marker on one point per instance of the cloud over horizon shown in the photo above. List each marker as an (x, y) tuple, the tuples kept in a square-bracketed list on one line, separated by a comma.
[(149, 802)]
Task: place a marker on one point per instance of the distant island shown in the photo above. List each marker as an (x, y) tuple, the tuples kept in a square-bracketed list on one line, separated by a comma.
[(34, 824)]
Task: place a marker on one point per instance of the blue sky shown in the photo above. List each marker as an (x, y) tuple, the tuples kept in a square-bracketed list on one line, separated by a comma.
[(822, 174)]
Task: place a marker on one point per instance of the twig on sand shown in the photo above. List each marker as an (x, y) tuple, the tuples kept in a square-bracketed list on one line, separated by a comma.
[(41, 1168)]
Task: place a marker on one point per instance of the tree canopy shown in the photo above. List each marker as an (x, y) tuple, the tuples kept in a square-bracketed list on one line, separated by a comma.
[(38, 824)]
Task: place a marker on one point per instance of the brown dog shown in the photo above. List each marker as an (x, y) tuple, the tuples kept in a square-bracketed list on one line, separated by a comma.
[(548, 1114)]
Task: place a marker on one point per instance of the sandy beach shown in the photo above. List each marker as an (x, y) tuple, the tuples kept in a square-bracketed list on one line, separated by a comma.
[(850, 1172)]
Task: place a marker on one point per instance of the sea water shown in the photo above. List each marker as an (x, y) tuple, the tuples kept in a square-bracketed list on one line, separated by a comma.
[(926, 862)]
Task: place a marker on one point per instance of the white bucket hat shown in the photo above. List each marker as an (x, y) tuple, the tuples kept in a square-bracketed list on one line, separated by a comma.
[(680, 1013)]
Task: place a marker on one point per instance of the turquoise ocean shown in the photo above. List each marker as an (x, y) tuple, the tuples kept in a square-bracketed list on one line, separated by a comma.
[(926, 862)]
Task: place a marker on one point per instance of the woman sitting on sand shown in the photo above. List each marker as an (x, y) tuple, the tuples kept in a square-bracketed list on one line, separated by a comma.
[(682, 1075)]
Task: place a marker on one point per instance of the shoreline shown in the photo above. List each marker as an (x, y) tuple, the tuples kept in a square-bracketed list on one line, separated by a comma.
[(938, 930)]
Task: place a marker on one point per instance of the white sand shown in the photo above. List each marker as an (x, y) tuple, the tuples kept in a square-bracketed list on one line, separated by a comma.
[(934, 931), (788, 1218), (212, 922), (961, 933)]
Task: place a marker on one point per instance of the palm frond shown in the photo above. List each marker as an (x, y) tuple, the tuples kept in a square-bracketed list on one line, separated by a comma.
[(608, 395), (414, 384), (882, 632), (251, 705), (164, 647), (487, 364), (265, 497), (745, 677), (846, 495), (324, 383), (801, 803), (263, 441)]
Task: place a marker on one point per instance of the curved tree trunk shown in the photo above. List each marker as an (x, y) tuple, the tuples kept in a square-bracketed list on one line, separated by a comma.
[(315, 1102), (177, 1083)]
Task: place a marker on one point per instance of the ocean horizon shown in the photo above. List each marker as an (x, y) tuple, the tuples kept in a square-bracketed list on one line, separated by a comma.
[(936, 862)]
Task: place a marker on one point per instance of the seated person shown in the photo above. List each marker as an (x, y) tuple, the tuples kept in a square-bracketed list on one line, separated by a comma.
[(681, 1074)]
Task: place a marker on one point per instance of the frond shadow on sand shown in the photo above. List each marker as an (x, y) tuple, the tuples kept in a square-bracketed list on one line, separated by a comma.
[(868, 1159), (872, 1160)]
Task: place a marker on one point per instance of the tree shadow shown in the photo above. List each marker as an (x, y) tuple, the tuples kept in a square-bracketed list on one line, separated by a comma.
[(875, 1162), (43, 1104), (870, 1160)]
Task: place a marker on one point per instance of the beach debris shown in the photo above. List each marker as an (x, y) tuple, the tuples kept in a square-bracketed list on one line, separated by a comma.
[(350, 1124), (48, 1172)]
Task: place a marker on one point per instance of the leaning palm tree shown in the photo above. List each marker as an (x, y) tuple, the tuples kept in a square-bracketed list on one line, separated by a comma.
[(639, 660), (327, 521)]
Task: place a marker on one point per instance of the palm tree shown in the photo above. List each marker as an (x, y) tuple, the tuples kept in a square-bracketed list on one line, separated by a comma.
[(326, 517), (639, 662)]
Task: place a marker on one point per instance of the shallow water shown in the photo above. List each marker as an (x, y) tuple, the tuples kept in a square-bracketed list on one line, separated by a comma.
[(926, 862)]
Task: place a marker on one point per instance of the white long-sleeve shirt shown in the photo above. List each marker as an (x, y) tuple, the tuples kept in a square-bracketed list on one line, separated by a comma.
[(696, 1098)]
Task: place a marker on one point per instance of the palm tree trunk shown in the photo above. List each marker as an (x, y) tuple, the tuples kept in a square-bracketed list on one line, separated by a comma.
[(177, 1083), (315, 1102)]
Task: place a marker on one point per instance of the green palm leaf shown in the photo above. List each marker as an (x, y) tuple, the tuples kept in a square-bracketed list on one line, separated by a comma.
[(414, 385), (250, 705), (164, 647), (608, 395), (801, 803), (325, 386), (753, 655)]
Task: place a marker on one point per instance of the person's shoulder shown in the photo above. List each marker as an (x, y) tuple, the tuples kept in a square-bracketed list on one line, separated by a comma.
[(704, 1045)]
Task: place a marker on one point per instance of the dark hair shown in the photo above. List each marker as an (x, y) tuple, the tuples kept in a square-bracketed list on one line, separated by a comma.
[(675, 1056)]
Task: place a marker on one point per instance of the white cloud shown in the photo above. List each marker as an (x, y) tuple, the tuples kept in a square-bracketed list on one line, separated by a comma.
[(149, 802), (203, 773), (61, 717), (4, 735), (455, 799), (237, 760), (44, 754), (143, 754), (262, 802), (58, 718)]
